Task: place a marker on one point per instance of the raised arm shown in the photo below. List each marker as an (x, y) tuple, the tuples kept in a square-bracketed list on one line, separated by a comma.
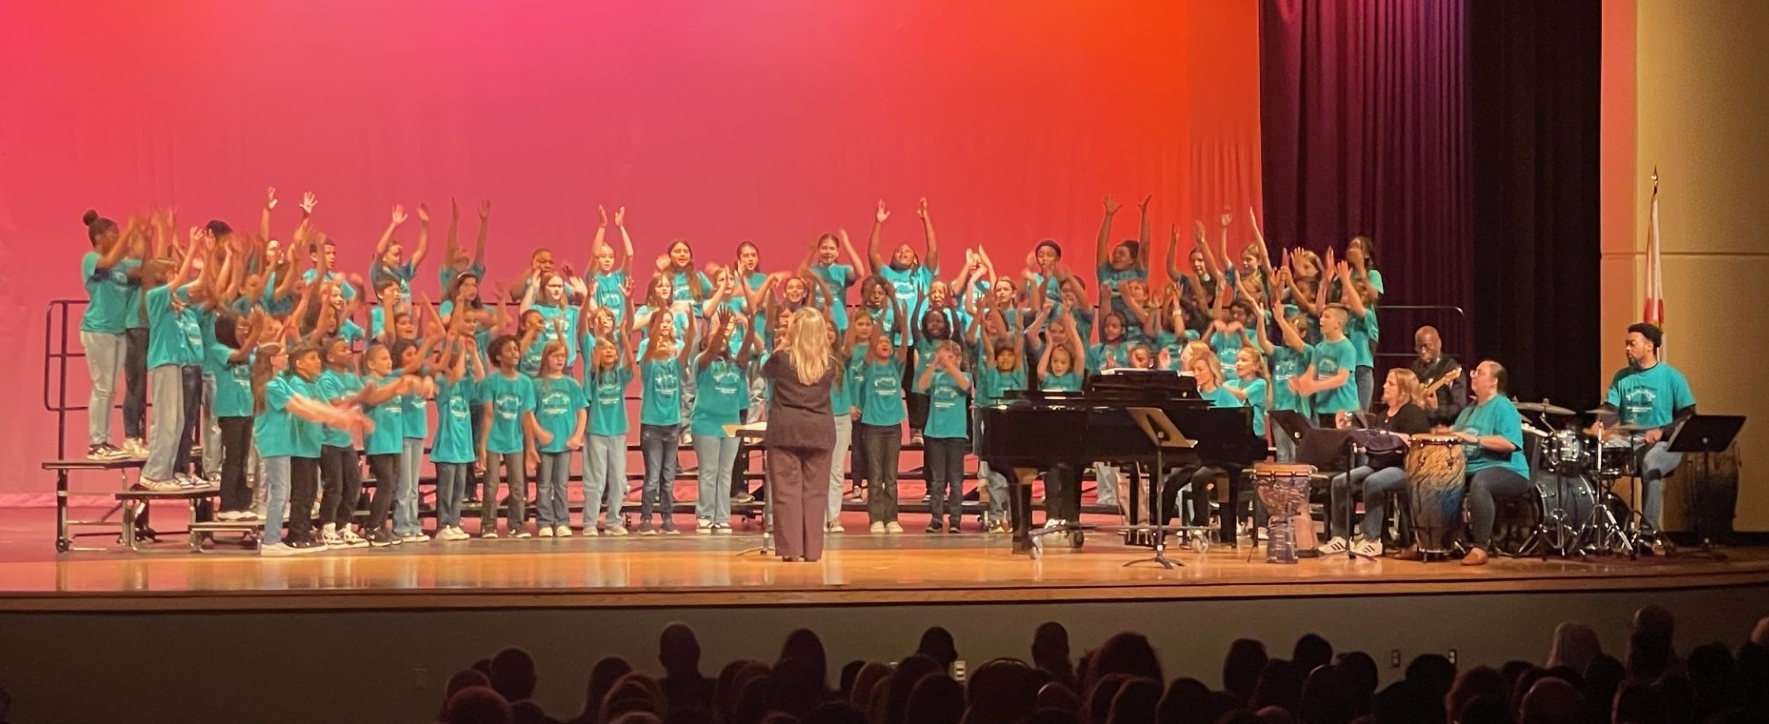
[(1348, 292), (450, 248), (1143, 236), (264, 217), (484, 228), (423, 235), (872, 251), (860, 266), (1104, 250), (932, 262), (398, 217), (684, 354)]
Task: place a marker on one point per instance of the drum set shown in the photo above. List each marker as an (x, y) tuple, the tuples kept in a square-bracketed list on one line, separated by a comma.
[(1575, 511)]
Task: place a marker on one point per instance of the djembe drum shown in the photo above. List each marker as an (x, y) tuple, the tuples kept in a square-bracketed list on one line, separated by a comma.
[(1284, 490), (1435, 469)]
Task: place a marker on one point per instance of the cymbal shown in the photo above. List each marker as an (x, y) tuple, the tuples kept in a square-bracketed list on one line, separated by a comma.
[(1543, 408)]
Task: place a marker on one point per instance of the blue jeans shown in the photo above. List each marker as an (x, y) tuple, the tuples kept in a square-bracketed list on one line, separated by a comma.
[(944, 465), (451, 489), (104, 358), (551, 508), (658, 444), (1366, 387), (605, 479), (714, 456), (1376, 485), (276, 495), (405, 499), (997, 485), (1656, 462)]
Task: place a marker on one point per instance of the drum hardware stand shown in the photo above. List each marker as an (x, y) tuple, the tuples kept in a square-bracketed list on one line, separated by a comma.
[(754, 434)]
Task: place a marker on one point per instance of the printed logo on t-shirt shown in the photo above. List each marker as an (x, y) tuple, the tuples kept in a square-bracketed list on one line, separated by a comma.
[(1638, 401), (457, 407), (508, 406), (555, 404)]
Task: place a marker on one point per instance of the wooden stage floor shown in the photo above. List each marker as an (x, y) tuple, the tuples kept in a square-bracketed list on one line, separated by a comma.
[(698, 570)]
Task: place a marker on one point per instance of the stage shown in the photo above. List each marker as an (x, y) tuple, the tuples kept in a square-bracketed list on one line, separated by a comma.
[(429, 609)]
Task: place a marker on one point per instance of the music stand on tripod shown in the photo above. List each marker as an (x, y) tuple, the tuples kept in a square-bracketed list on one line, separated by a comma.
[(752, 434), (1705, 434), (1165, 436)]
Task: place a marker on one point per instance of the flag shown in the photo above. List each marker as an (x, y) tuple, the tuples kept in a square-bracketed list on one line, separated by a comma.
[(1655, 273)]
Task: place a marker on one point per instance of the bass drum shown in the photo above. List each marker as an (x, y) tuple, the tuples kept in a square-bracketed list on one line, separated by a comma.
[(1564, 500)]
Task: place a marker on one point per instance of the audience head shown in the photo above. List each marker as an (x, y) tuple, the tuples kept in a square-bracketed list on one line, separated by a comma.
[(691, 715), (634, 692), (866, 682), (1186, 701), (463, 679), (476, 705), (678, 650), (732, 679), (1240, 669), (834, 712), (1405, 702), (1099, 698), (1649, 654), (1050, 649), (1637, 703), (1551, 701), (795, 687), (804, 645), (512, 674), (1678, 696), (1575, 644), (602, 677), (1052, 716), (1486, 709), (1472, 684), (936, 699), (1328, 697), (937, 644), (1280, 685), (1135, 703), (910, 672), (1653, 617), (1361, 669), (1602, 677), (1310, 651), (1433, 672), (1127, 653), (1057, 695)]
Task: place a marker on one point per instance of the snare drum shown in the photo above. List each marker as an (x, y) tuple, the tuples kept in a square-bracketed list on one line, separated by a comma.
[(1436, 467), (1284, 490), (1568, 452)]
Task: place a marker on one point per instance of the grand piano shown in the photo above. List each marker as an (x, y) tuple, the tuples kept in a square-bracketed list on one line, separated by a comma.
[(1039, 430)]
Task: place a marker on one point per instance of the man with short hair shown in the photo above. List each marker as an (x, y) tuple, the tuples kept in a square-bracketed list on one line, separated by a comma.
[(1432, 367), (1328, 378), (1651, 395)]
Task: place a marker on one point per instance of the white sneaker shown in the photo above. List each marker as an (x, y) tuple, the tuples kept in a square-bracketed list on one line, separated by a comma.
[(159, 486), (615, 531), (546, 531), (1334, 546), (522, 533), (278, 549), (1055, 523), (489, 535), (591, 532), (876, 528), (1367, 547), (353, 540), (702, 524), (893, 527), (833, 526), (230, 516), (414, 538), (331, 540), (455, 533), (563, 531), (721, 529), (136, 448)]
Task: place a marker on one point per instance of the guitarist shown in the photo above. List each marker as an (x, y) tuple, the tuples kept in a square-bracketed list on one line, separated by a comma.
[(1445, 392)]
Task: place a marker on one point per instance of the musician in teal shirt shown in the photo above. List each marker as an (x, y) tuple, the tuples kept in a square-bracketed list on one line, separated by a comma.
[(1649, 394), (1492, 440)]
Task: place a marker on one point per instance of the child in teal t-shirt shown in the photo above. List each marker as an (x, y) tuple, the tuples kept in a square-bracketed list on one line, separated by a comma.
[(455, 449), (660, 415), (880, 393), (559, 428), (945, 436), (608, 374), (509, 403)]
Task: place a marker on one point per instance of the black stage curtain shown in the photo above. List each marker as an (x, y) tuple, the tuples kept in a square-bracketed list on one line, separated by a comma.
[(1534, 70)]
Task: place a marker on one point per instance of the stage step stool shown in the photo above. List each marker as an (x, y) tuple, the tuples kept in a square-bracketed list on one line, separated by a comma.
[(193, 498), (64, 535)]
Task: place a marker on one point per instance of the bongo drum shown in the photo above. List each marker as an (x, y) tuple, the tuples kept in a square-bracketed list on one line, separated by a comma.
[(1284, 490), (1436, 466)]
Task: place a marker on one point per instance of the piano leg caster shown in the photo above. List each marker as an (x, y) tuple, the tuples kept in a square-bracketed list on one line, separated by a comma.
[(1077, 539)]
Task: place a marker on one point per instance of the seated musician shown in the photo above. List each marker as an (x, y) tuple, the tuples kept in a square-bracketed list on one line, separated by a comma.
[(1648, 394), (1446, 395), (1194, 481), (1492, 439), (1383, 472)]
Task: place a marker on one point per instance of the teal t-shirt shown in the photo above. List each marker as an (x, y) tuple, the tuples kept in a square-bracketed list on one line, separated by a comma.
[(1226, 346), (454, 441), (720, 394), (838, 277), (273, 430), (682, 291), (1497, 416), (610, 291), (608, 401), (660, 400), (107, 293), (1649, 397), (881, 383), (945, 418), (447, 274), (1287, 363), (1220, 397), (993, 384), (1108, 275), (305, 436), (1068, 382), (1255, 389), (510, 398), (908, 285), (388, 437), (169, 332), (233, 382), (841, 398), (417, 416), (1363, 334), (1329, 358), (550, 331), (558, 402), (344, 287), (333, 386), (1119, 353)]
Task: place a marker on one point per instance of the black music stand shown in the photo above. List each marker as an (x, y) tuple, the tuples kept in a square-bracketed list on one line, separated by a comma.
[(753, 434), (1164, 435), (1705, 434)]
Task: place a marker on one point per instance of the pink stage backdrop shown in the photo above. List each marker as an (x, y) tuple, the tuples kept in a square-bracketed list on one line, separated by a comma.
[(711, 121)]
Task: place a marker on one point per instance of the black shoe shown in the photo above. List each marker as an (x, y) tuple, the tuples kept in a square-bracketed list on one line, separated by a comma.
[(305, 543), (379, 538), (933, 528), (953, 526)]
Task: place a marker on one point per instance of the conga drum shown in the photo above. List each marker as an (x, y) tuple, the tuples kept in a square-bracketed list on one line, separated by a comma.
[(1284, 490), (1435, 469)]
